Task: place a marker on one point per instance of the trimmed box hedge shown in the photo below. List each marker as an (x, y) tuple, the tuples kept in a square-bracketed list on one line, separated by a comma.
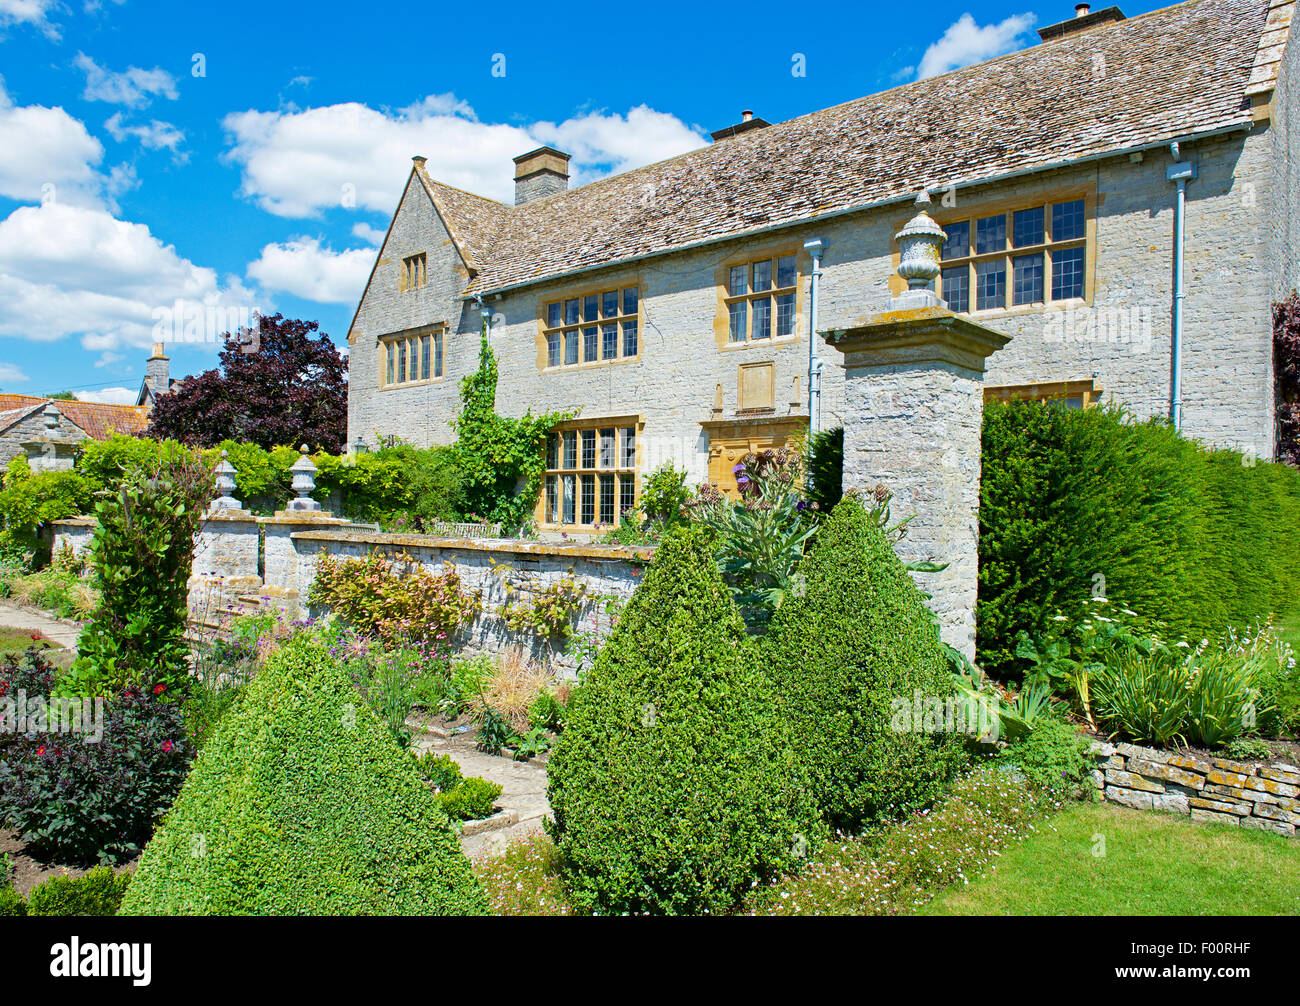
[(301, 803)]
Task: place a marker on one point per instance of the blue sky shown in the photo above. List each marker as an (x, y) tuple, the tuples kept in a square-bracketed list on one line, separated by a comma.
[(245, 156)]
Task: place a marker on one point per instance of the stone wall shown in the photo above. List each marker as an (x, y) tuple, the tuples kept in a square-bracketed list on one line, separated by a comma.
[(1244, 794), (30, 427), (490, 567), (75, 532), (417, 413), (240, 558), (1284, 201)]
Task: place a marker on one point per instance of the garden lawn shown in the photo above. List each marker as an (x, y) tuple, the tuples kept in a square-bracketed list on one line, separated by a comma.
[(1153, 864), (16, 641)]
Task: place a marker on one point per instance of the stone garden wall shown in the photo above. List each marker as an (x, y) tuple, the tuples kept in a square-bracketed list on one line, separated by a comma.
[(242, 561), (74, 532), (491, 567), (1246, 794)]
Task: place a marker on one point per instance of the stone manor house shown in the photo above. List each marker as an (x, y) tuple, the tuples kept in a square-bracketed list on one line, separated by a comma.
[(1119, 199)]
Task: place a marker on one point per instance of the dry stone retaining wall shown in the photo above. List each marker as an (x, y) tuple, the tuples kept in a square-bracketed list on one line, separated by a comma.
[(1247, 794)]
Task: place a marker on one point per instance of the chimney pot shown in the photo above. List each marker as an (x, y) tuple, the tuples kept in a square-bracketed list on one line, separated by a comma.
[(540, 172), (746, 123), (419, 160), (1085, 19)]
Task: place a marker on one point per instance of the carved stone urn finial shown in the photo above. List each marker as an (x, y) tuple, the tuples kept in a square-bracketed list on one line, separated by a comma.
[(225, 473), (304, 483), (919, 244)]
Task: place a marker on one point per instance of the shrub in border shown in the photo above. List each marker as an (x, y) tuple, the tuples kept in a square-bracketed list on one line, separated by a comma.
[(301, 803), (674, 787), (840, 651), (98, 892)]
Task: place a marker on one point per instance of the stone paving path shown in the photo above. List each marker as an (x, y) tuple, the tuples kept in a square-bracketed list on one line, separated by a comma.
[(59, 632), (523, 792)]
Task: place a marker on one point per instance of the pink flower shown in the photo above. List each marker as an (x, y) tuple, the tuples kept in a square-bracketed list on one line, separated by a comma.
[(167, 746)]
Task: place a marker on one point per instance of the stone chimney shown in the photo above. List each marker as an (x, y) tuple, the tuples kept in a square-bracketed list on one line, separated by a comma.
[(746, 123), (157, 371), (540, 172), (1084, 18)]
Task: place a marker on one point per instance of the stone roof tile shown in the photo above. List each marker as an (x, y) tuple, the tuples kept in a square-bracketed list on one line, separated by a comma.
[(1166, 75)]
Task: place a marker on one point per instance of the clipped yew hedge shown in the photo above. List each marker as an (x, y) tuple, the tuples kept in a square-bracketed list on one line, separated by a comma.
[(674, 786), (1073, 501), (301, 803), (856, 637)]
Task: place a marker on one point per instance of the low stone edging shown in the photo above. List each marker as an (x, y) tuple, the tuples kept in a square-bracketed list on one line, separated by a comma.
[(1247, 794)]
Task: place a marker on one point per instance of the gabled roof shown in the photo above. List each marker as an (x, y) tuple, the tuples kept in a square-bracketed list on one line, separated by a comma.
[(1171, 74), (473, 221), (99, 420)]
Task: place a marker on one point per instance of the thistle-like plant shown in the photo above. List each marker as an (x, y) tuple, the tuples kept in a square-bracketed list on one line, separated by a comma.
[(759, 538)]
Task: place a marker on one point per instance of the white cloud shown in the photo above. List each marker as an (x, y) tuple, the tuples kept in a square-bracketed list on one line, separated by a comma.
[(298, 162), (112, 396), (604, 144), (368, 234), (33, 12), (157, 135), (47, 155), (77, 271), (965, 42), (304, 268), (132, 87), (9, 374)]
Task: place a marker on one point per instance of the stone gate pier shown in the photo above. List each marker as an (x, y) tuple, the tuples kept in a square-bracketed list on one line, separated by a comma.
[(914, 407)]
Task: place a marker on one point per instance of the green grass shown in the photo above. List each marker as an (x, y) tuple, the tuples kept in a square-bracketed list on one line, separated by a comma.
[(1150, 864), (1289, 629), (17, 640)]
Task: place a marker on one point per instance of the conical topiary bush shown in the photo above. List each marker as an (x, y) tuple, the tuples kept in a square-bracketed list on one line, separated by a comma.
[(301, 803), (674, 786), (855, 637)]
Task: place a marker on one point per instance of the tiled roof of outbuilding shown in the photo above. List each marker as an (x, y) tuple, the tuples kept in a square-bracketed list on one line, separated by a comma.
[(100, 420), (1166, 75)]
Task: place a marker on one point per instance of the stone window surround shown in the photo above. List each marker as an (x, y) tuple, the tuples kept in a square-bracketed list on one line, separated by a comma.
[(414, 273), (617, 283), (620, 471), (971, 210), (748, 262), (1089, 392), (387, 344), (722, 280)]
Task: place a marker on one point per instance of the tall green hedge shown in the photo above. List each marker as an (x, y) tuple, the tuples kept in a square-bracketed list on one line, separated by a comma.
[(855, 637), (1077, 502), (301, 803), (674, 786)]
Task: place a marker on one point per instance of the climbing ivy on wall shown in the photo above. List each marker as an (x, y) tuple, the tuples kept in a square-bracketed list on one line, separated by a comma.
[(502, 459)]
